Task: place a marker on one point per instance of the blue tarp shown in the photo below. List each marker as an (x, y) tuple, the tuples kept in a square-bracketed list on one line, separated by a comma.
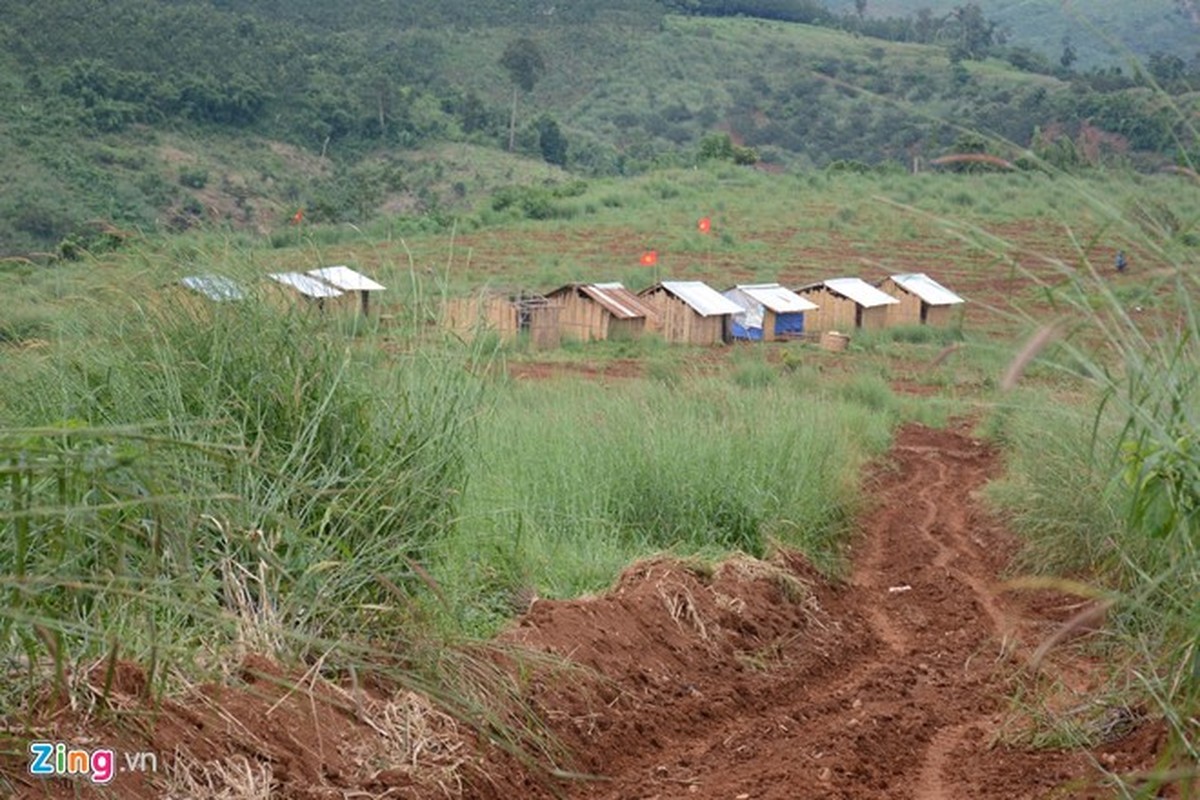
[(739, 331), (785, 325), (789, 324)]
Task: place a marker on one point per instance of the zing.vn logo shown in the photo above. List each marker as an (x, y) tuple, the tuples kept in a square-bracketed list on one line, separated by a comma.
[(50, 759)]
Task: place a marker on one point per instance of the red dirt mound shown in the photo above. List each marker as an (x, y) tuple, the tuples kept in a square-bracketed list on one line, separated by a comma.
[(767, 682)]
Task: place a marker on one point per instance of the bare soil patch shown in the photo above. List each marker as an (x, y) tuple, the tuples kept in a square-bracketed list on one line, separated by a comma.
[(600, 371), (891, 685)]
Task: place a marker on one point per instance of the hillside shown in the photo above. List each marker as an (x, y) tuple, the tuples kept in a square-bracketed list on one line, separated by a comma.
[(170, 115), (1102, 32)]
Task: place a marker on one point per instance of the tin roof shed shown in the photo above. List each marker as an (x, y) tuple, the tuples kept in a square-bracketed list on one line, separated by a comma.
[(619, 301), (775, 298), (926, 288), (215, 287), (598, 311), (858, 290), (769, 312), (701, 298), (846, 304), (306, 285), (346, 279)]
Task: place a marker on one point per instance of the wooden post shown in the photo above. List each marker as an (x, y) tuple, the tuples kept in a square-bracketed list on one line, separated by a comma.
[(366, 303)]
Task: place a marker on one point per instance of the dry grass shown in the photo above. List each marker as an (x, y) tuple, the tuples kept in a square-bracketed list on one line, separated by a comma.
[(417, 743), (233, 778), (791, 587), (681, 606)]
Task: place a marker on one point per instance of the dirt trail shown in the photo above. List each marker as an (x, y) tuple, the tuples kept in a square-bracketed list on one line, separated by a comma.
[(891, 686)]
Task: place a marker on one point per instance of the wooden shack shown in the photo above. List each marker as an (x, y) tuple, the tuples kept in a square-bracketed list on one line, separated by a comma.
[(846, 304), (592, 312), (216, 288), (345, 279), (506, 315), (690, 312), (312, 290), (769, 312), (921, 300)]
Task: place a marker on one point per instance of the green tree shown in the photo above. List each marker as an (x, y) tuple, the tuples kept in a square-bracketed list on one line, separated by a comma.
[(551, 141), (971, 32), (523, 60), (1069, 56), (716, 147)]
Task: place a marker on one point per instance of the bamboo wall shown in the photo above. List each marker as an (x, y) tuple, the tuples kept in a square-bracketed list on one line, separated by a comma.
[(874, 319), (940, 316), (834, 312), (625, 329), (908, 310), (677, 322), (466, 315), (580, 317), (768, 327), (544, 330)]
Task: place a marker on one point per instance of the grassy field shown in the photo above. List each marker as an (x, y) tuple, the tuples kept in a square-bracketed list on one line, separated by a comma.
[(185, 482)]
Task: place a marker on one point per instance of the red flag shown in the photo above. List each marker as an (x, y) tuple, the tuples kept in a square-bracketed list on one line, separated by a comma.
[(705, 224), (298, 217), (649, 258)]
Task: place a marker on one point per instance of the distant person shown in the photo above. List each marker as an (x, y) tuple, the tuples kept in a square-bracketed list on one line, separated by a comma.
[(1121, 261)]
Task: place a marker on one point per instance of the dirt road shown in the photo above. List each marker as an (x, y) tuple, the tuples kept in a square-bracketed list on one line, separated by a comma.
[(893, 685)]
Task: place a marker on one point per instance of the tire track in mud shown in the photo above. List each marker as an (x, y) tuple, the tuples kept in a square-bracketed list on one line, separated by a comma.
[(923, 676), (890, 685)]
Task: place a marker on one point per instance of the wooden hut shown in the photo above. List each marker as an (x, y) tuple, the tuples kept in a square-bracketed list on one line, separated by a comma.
[(690, 312), (597, 311), (216, 288), (921, 300), (769, 312), (846, 304), (506, 315), (347, 280), (311, 289)]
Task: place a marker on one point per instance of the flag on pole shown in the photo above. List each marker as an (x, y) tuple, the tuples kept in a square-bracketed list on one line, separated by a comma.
[(704, 225), (649, 258)]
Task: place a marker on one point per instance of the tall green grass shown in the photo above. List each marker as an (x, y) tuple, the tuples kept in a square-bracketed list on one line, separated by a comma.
[(1107, 489), (182, 482), (574, 480)]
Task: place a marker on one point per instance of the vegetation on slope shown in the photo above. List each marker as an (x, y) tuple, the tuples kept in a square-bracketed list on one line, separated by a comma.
[(171, 115), (1100, 34)]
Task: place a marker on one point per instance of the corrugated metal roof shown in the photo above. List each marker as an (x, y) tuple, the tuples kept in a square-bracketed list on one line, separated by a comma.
[(346, 279), (215, 287), (620, 302), (776, 298), (860, 292), (927, 289), (306, 285), (702, 298)]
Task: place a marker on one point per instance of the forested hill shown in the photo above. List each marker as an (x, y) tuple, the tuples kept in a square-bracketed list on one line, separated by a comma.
[(176, 113), (1099, 32)]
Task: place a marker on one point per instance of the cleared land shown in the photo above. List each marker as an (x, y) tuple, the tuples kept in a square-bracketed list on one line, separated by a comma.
[(905, 674)]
